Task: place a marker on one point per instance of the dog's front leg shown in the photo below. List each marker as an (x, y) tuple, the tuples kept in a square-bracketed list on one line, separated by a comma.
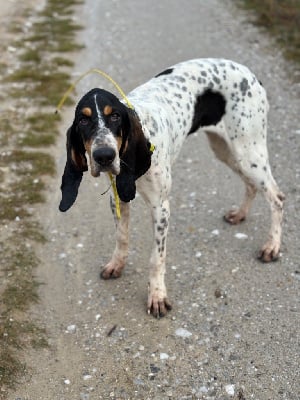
[(115, 266), (158, 303)]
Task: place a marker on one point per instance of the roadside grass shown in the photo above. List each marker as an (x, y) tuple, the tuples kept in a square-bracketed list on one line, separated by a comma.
[(281, 18), (27, 131)]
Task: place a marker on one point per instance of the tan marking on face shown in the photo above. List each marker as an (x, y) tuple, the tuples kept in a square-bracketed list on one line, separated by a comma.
[(119, 142), (78, 159), (87, 146), (107, 110), (87, 111)]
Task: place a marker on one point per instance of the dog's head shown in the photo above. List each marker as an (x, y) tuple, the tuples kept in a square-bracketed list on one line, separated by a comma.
[(111, 135)]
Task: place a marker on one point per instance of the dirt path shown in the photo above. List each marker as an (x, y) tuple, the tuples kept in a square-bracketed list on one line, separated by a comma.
[(234, 330)]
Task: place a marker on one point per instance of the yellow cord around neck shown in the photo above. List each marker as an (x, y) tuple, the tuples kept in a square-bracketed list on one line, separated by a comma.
[(91, 71)]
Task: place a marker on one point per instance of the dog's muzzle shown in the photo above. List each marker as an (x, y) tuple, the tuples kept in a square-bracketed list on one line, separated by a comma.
[(104, 157)]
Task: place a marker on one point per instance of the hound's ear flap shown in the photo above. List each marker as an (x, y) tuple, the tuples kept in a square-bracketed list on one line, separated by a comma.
[(75, 166), (135, 161), (125, 181)]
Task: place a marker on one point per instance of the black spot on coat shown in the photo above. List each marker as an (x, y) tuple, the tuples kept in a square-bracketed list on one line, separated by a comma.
[(209, 110), (165, 72)]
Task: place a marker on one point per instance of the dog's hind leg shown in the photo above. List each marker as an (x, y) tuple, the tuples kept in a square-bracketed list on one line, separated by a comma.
[(270, 250), (235, 216), (255, 168), (114, 268), (255, 171), (224, 154)]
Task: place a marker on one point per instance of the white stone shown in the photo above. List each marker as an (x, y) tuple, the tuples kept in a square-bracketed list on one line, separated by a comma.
[(183, 333), (71, 328), (229, 390), (240, 235), (164, 356)]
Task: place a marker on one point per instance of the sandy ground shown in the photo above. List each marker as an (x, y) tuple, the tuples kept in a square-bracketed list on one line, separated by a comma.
[(234, 329)]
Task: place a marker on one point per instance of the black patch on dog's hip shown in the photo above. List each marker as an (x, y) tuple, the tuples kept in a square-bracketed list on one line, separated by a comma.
[(209, 109)]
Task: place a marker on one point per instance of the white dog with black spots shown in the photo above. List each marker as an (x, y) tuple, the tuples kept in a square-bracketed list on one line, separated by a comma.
[(219, 96)]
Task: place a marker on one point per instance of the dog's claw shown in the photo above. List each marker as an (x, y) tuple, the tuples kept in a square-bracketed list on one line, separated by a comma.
[(112, 270), (234, 217), (269, 252), (110, 275), (159, 308), (267, 257)]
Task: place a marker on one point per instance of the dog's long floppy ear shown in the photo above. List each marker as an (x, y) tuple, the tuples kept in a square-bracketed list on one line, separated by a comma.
[(135, 160), (75, 166)]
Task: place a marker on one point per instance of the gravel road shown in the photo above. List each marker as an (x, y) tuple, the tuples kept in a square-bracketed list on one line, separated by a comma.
[(234, 331)]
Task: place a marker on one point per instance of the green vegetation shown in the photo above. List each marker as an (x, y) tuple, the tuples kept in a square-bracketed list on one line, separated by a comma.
[(282, 19), (27, 129)]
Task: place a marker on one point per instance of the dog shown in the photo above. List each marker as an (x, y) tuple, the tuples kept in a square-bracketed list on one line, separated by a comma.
[(219, 96)]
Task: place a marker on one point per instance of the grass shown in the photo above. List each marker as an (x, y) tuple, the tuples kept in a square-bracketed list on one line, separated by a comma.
[(281, 18), (25, 162)]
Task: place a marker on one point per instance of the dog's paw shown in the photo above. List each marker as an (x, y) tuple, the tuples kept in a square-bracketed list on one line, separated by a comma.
[(158, 306), (269, 252), (235, 217), (112, 270)]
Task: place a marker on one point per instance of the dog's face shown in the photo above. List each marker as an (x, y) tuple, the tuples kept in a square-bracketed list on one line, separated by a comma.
[(112, 136), (102, 123)]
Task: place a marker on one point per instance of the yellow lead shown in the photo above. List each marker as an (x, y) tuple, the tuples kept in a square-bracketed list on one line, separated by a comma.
[(116, 196)]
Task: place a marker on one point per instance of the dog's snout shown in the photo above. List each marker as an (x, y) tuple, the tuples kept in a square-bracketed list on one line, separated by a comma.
[(104, 156)]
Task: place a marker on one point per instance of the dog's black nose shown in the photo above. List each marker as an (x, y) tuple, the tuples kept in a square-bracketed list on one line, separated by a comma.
[(104, 156)]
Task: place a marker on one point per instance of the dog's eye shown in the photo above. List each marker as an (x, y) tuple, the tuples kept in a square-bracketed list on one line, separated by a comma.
[(115, 117), (83, 121)]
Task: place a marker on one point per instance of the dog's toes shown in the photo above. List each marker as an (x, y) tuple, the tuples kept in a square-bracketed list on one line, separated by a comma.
[(159, 308), (110, 274), (234, 217), (267, 257), (112, 270), (269, 253)]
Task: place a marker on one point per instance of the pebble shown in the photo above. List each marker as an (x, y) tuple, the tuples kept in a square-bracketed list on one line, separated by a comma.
[(229, 390), (240, 235), (71, 328), (12, 49), (183, 333), (164, 356), (203, 389)]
